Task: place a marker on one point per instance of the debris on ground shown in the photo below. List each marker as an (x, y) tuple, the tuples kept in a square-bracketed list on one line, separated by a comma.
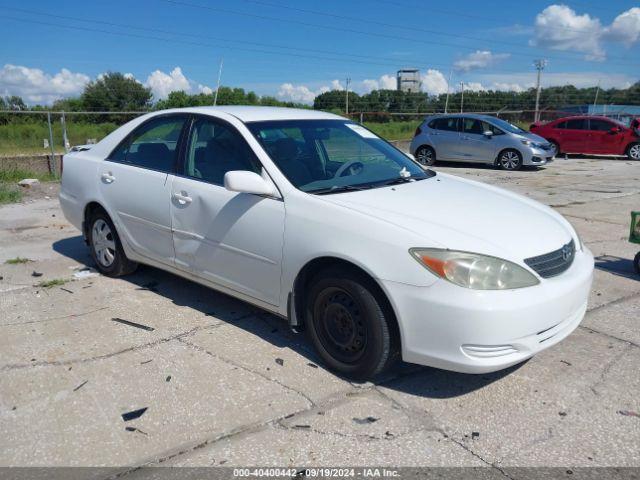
[(133, 324), (168, 379), (280, 361), (80, 386), (302, 426), (132, 415), (134, 429), (56, 282), (66, 290), (151, 286), (29, 182), (629, 413), (36, 274), (85, 272), (562, 414), (366, 420), (312, 365), (146, 361), (475, 435), (566, 363)]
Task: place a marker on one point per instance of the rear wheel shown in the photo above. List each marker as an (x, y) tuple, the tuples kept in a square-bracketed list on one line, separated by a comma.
[(633, 151), (349, 323), (106, 248), (510, 160), (425, 155)]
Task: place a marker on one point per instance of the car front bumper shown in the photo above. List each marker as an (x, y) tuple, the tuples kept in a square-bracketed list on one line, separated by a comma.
[(474, 331), (537, 156)]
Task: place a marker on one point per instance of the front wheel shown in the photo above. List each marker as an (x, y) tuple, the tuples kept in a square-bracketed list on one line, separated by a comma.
[(106, 248), (510, 160), (633, 152), (350, 324), (556, 147), (426, 155)]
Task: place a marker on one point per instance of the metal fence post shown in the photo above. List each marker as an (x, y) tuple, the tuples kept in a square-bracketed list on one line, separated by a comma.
[(65, 139), (53, 166)]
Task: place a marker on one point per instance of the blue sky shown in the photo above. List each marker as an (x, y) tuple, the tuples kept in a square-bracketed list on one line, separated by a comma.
[(295, 49)]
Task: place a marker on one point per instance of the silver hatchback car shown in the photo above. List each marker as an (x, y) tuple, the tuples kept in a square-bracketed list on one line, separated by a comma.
[(478, 138)]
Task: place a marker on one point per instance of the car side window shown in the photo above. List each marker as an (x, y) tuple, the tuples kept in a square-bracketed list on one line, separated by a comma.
[(153, 145), (216, 148), (447, 124), (472, 126), (576, 124), (486, 126), (600, 125), (561, 125)]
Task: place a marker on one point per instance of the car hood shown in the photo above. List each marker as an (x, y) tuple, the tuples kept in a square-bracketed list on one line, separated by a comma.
[(533, 137), (450, 212)]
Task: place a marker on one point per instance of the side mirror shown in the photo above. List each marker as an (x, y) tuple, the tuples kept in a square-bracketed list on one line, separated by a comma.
[(488, 133), (242, 181)]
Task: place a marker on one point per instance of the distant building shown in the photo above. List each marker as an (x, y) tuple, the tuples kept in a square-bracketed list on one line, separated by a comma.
[(623, 113), (409, 80)]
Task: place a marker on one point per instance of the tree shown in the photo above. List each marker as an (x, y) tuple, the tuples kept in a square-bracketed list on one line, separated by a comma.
[(114, 91)]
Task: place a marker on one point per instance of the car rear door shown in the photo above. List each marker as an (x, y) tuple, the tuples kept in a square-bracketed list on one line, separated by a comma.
[(135, 183), (574, 136), (444, 133), (232, 239), (602, 139)]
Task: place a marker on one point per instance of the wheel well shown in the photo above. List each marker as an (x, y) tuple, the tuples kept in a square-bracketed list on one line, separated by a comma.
[(506, 150), (89, 210), (311, 269)]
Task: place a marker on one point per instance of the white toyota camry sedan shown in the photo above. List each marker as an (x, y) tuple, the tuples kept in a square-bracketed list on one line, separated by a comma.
[(313, 217)]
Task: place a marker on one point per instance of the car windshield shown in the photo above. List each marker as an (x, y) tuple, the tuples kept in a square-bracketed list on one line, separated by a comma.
[(509, 127), (332, 156)]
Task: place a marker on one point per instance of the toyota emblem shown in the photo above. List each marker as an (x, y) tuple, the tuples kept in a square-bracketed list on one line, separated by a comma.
[(567, 251)]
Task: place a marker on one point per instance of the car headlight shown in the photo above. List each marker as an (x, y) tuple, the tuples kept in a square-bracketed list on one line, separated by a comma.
[(472, 270)]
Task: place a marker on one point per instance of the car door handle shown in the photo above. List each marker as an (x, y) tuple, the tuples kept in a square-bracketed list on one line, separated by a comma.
[(182, 198), (108, 177)]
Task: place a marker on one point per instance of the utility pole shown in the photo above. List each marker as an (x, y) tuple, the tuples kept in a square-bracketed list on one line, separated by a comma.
[(595, 100), (346, 100), (446, 102), (462, 96), (215, 99), (539, 64)]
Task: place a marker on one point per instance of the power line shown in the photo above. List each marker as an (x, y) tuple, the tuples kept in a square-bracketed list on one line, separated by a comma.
[(350, 30)]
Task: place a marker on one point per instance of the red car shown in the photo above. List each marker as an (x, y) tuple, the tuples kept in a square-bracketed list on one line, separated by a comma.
[(591, 134)]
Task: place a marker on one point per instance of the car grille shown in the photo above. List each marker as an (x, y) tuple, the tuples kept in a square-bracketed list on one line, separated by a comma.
[(546, 146), (553, 263)]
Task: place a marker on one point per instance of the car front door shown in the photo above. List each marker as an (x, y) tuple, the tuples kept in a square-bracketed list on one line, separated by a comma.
[(232, 239), (135, 183), (445, 136), (475, 146), (604, 137)]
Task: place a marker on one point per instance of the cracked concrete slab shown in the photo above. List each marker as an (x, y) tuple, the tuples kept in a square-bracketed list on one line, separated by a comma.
[(217, 396)]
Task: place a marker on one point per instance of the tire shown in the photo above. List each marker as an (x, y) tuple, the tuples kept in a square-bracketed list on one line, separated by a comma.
[(636, 263), (106, 248), (510, 159), (425, 155), (556, 146), (633, 151), (349, 324)]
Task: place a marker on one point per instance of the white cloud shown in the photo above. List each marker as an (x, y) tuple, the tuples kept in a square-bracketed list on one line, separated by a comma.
[(472, 86), (479, 59), (385, 82), (508, 87), (526, 80), (36, 86), (625, 28), (162, 84), (434, 82), (288, 92), (560, 28)]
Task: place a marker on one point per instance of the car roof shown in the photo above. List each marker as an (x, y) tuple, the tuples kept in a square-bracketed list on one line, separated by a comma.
[(247, 113), (478, 116)]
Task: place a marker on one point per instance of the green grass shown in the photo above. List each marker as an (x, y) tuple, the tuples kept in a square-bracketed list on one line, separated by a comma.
[(18, 260), (56, 282), (9, 194), (394, 130), (14, 175), (27, 137)]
